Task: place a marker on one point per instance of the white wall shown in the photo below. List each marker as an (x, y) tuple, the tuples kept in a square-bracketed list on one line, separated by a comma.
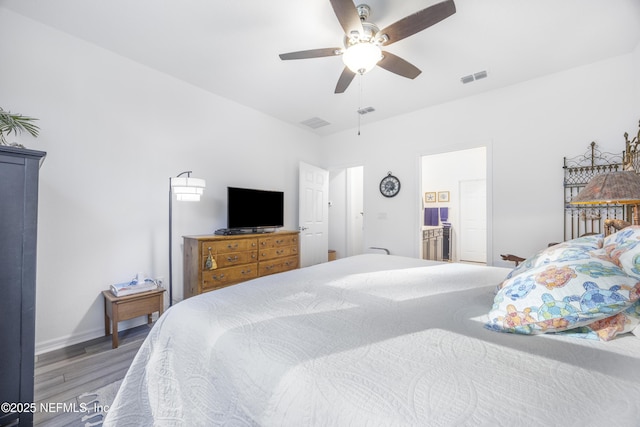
[(115, 131), (528, 128), (636, 82)]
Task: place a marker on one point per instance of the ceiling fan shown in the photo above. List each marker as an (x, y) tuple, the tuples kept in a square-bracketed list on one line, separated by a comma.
[(363, 40)]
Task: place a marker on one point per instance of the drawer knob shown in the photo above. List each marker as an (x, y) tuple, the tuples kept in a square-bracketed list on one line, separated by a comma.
[(220, 277), (232, 259)]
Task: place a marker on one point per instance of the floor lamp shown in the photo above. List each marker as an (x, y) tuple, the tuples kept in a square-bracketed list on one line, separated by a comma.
[(621, 188), (186, 189)]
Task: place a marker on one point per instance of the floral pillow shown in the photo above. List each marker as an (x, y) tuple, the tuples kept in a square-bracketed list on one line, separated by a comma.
[(623, 249), (565, 287), (575, 249), (607, 328)]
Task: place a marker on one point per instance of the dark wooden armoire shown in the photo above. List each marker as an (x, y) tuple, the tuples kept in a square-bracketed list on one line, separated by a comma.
[(19, 170)]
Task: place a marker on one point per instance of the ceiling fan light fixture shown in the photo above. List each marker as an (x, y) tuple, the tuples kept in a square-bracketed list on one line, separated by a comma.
[(362, 57), (363, 40)]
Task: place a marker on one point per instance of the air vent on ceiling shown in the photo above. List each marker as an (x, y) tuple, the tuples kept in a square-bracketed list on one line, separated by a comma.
[(480, 75), (315, 122), (473, 77), (466, 79), (366, 110)]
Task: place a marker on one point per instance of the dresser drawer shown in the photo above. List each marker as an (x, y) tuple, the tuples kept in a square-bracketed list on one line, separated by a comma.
[(277, 265), (277, 241), (232, 258), (214, 279), (225, 246), (279, 252)]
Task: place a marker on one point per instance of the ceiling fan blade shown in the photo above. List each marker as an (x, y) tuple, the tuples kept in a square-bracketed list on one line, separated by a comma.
[(399, 66), (347, 15), (417, 22), (312, 53), (345, 80)]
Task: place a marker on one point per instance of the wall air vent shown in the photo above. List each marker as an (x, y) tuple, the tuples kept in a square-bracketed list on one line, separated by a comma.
[(366, 110), (315, 122)]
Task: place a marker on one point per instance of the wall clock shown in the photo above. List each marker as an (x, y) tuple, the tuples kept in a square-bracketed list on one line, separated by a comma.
[(389, 186)]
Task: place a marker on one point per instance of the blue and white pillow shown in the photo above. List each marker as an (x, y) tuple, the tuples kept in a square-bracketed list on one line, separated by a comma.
[(588, 287)]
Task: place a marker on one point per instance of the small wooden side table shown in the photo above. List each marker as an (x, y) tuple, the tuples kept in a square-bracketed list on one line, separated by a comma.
[(128, 307)]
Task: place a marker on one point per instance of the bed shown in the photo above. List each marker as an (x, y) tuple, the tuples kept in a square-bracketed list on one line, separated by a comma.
[(371, 340)]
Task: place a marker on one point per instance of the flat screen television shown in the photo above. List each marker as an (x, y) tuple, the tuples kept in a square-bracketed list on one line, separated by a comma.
[(255, 210)]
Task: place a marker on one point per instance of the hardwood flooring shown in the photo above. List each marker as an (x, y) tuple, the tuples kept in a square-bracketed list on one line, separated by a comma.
[(63, 375)]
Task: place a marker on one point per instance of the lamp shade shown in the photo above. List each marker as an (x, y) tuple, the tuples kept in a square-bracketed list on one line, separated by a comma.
[(613, 187), (187, 188), (362, 57)]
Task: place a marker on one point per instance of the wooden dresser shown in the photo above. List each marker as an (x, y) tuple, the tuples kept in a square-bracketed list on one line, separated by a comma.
[(213, 262)]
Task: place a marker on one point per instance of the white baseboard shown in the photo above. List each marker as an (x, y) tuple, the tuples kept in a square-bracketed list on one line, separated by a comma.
[(68, 340)]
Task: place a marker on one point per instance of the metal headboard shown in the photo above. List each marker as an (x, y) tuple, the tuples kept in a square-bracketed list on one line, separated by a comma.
[(632, 156), (578, 171)]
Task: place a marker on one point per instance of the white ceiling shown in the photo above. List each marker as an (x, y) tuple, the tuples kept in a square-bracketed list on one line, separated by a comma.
[(231, 48)]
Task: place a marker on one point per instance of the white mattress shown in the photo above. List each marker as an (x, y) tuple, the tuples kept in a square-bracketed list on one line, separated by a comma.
[(370, 340)]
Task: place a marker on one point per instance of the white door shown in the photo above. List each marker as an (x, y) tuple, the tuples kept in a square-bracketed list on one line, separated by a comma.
[(313, 215), (473, 220)]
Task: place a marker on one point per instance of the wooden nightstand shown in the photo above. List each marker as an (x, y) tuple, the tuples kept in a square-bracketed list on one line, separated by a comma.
[(128, 307)]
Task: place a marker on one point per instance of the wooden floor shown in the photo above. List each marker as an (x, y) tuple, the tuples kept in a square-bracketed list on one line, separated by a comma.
[(63, 375)]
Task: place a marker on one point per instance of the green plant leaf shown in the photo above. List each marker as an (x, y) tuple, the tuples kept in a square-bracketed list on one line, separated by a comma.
[(16, 124)]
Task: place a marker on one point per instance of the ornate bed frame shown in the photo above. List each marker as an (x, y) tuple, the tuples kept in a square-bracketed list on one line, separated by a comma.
[(578, 171)]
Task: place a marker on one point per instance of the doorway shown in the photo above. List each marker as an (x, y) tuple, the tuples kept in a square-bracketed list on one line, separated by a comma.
[(346, 211), (457, 181)]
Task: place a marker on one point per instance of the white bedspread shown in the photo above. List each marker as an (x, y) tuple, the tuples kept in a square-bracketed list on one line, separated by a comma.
[(371, 340)]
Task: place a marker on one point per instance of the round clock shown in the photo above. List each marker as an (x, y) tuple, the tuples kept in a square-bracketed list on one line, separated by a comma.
[(390, 185)]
